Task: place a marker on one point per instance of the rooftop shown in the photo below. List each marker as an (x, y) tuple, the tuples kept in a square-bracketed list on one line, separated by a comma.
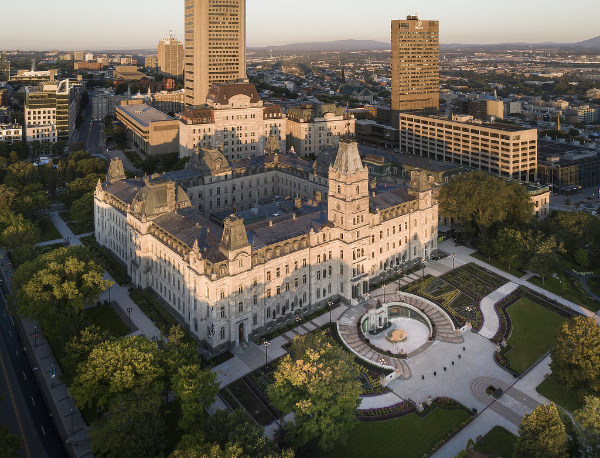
[(143, 114), (487, 125)]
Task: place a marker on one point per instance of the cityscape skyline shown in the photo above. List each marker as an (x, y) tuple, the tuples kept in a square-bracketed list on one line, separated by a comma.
[(110, 31)]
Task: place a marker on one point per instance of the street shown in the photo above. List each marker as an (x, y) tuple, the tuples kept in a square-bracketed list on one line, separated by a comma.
[(23, 407), (90, 133)]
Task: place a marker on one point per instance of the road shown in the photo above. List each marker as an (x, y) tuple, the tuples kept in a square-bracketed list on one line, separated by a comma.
[(23, 407), (90, 133)]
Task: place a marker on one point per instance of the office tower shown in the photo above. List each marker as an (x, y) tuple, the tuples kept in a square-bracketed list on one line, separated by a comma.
[(215, 45), (4, 67), (170, 57), (415, 64)]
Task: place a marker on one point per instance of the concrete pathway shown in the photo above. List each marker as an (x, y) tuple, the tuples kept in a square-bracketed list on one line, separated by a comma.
[(463, 256), (382, 400), (491, 322), (117, 293), (252, 356)]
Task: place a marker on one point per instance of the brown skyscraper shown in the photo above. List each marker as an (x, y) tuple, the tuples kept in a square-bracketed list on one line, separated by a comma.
[(170, 57), (215, 45), (415, 64)]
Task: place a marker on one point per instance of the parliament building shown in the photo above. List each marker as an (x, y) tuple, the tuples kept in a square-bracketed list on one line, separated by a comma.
[(236, 249)]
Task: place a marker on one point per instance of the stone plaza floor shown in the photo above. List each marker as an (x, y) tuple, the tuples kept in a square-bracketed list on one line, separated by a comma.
[(417, 335)]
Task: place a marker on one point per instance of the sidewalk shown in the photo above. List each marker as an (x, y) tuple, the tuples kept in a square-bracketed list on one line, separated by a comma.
[(253, 357), (463, 256), (491, 322), (67, 417), (117, 293)]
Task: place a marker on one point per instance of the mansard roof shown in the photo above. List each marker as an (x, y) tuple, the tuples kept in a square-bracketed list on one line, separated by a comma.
[(221, 93), (390, 199), (284, 228)]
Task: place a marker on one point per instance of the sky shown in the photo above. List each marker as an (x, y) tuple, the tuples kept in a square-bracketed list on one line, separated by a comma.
[(121, 24)]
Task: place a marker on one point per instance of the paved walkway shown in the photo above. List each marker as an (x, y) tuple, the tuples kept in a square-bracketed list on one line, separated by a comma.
[(251, 356), (68, 419), (463, 256), (491, 322), (382, 400), (117, 293)]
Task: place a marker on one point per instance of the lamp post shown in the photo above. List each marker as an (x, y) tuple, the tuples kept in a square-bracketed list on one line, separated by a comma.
[(423, 261), (382, 361), (453, 256), (109, 288), (35, 335), (72, 428), (129, 310), (384, 294), (330, 305), (266, 343)]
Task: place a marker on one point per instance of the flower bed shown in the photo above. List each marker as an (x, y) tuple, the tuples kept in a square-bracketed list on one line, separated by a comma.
[(386, 413)]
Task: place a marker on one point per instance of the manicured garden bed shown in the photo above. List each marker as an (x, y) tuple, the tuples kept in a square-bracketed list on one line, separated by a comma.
[(407, 436), (534, 330), (241, 391), (497, 442)]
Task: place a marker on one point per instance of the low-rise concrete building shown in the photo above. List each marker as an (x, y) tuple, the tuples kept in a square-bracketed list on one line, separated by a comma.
[(11, 133), (151, 130)]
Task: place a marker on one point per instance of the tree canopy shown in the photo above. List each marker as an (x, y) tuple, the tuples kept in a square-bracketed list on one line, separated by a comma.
[(319, 384), (542, 434), (576, 355), (55, 288), (480, 200)]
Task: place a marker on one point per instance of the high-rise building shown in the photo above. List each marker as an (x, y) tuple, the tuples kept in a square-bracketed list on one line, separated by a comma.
[(51, 110), (215, 45), (415, 64), (4, 67), (170, 57)]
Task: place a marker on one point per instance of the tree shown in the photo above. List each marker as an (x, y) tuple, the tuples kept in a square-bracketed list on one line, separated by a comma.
[(197, 389), (194, 446), (78, 349), (576, 355), (543, 253), (132, 425), (33, 197), (542, 434), (83, 208), (508, 247), (319, 384), (56, 287), (588, 421), (480, 200), (116, 367), (20, 232)]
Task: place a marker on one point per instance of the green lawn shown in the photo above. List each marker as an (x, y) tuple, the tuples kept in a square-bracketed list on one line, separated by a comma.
[(408, 436), (558, 394), (497, 442), (49, 231), (594, 285), (107, 319), (533, 333), (497, 263), (570, 289)]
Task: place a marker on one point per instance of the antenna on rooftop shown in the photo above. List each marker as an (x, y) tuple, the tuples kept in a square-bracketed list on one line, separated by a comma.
[(171, 34)]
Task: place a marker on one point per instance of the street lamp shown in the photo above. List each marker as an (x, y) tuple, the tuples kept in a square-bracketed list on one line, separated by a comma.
[(382, 361), (35, 335), (109, 288), (423, 261), (384, 294), (330, 305), (129, 310), (266, 343), (72, 428), (453, 256)]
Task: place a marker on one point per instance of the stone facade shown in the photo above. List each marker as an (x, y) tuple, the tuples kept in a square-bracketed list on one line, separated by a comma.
[(234, 119), (228, 281)]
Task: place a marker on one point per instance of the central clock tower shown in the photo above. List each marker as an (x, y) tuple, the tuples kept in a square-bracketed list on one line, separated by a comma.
[(348, 198)]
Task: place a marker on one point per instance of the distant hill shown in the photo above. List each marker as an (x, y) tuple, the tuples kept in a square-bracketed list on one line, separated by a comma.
[(591, 43), (338, 45)]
